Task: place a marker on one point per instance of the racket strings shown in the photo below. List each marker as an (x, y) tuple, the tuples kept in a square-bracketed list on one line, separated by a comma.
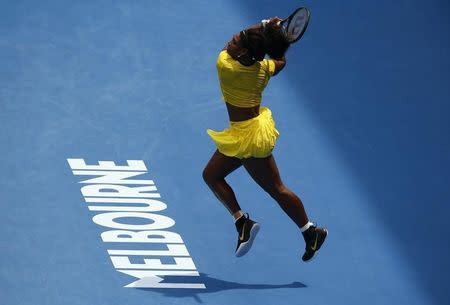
[(295, 25)]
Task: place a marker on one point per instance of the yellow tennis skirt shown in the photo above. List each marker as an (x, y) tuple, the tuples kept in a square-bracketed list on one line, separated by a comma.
[(251, 138)]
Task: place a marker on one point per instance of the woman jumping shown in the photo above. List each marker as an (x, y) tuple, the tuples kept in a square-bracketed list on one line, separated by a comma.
[(243, 74)]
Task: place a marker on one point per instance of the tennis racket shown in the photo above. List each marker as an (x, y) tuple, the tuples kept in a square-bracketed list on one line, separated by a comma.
[(294, 26)]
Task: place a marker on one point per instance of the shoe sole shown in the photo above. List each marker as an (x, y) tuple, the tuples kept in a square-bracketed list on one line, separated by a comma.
[(245, 247), (315, 253)]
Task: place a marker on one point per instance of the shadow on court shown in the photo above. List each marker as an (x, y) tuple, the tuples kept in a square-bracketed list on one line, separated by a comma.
[(216, 285)]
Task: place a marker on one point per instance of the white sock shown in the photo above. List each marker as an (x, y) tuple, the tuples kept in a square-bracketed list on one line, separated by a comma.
[(237, 215), (306, 227)]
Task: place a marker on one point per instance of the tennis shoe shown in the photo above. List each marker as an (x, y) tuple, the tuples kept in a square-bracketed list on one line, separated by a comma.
[(247, 230), (314, 238)]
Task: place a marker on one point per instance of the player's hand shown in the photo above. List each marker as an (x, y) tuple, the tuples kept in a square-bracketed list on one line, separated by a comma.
[(275, 19)]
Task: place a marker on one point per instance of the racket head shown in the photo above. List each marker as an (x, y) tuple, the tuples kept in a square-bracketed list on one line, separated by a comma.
[(295, 25)]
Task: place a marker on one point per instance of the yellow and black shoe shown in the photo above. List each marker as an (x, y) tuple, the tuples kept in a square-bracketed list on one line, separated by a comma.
[(247, 230), (314, 238)]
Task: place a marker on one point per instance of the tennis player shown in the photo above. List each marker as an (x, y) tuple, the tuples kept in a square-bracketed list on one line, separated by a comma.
[(243, 74)]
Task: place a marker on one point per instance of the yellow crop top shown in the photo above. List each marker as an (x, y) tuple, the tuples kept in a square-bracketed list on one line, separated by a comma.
[(242, 86)]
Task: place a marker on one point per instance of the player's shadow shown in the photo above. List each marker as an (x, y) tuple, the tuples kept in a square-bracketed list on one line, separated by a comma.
[(217, 285)]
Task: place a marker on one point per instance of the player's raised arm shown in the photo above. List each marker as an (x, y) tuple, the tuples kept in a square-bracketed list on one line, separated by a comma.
[(279, 64), (276, 44)]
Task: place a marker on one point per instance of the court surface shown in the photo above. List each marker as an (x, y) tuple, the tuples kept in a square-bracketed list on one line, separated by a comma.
[(363, 112)]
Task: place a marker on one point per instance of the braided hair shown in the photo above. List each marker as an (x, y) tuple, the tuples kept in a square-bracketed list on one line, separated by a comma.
[(276, 43), (254, 41)]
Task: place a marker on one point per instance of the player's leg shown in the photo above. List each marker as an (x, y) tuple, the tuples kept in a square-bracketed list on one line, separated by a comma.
[(214, 175), (265, 172), (218, 167)]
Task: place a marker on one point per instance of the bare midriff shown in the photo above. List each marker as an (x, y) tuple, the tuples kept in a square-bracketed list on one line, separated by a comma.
[(238, 114)]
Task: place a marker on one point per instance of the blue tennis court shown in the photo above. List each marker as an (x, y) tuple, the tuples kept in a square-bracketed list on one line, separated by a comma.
[(104, 108)]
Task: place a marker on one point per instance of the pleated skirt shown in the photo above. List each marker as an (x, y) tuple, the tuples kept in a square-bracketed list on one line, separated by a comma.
[(251, 138)]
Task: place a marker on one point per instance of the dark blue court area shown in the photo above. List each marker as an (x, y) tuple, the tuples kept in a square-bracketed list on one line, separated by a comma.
[(104, 107)]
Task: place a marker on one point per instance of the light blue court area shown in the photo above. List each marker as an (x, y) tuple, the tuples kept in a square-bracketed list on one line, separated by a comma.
[(363, 112)]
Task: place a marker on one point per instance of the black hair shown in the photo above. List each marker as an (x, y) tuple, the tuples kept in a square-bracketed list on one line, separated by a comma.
[(254, 41), (276, 43)]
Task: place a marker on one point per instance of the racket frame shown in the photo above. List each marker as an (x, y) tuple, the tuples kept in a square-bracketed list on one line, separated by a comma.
[(286, 22)]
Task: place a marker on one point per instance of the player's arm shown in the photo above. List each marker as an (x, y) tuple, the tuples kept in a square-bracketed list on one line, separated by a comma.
[(273, 32), (279, 64), (257, 26)]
